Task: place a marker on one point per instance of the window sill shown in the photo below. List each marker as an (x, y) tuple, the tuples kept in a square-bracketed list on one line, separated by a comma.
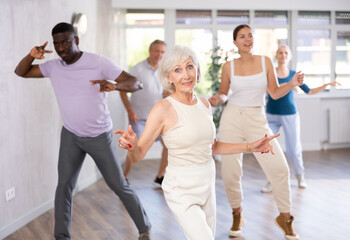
[(339, 93)]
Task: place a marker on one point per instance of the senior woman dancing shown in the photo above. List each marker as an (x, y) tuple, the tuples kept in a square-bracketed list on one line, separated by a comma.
[(185, 123)]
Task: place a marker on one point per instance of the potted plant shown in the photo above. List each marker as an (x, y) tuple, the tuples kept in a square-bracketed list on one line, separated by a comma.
[(218, 58)]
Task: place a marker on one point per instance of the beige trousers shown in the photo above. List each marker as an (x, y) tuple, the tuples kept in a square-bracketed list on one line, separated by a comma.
[(248, 124), (190, 194)]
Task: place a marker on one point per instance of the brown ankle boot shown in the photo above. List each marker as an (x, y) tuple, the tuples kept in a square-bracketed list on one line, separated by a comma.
[(238, 222), (286, 226)]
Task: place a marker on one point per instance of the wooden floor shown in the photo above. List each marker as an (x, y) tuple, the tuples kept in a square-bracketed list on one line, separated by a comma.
[(322, 211)]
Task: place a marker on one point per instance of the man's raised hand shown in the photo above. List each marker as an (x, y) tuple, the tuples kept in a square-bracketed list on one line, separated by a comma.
[(39, 51)]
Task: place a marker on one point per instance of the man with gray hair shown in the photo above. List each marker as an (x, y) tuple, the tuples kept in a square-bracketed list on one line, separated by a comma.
[(142, 101)]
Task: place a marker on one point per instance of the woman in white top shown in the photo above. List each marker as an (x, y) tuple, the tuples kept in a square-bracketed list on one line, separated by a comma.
[(244, 119), (185, 123)]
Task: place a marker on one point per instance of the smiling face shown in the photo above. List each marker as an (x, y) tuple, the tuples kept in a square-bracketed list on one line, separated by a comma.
[(66, 46), (244, 40), (184, 76), (283, 55)]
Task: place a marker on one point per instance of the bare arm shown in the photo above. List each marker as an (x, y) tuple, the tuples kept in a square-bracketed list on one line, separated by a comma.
[(125, 83), (137, 149), (221, 97), (128, 83), (131, 114), (26, 68), (262, 145), (275, 90), (323, 87)]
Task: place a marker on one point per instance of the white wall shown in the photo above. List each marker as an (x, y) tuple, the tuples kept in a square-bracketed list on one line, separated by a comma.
[(30, 122), (313, 111)]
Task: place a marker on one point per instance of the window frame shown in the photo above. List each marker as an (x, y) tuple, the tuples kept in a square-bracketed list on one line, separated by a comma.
[(292, 26)]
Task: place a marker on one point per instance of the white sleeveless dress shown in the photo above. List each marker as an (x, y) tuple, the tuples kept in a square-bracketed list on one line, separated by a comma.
[(189, 182)]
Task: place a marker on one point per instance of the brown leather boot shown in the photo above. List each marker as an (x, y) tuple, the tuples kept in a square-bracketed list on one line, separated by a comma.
[(238, 222), (286, 226)]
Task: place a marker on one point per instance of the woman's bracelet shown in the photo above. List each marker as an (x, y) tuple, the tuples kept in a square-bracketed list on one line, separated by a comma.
[(249, 147)]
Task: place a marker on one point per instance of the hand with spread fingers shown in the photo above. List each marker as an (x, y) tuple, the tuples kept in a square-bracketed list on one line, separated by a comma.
[(105, 86), (263, 145), (39, 51)]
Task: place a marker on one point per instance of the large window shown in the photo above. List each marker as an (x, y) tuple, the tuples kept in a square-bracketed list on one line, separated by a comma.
[(313, 54), (232, 17), (145, 17), (271, 30), (314, 17), (225, 31), (143, 27), (138, 41), (190, 17), (225, 41), (267, 40), (314, 47), (200, 40), (320, 40), (271, 17), (342, 18), (342, 67)]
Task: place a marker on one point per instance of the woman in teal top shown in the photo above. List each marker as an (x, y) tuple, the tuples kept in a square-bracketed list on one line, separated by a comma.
[(283, 113)]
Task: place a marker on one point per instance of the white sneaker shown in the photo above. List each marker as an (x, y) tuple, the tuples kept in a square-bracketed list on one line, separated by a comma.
[(301, 181), (267, 188)]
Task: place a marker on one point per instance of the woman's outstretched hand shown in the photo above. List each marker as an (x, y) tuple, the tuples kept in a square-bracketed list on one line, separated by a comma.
[(263, 145), (334, 84), (128, 139)]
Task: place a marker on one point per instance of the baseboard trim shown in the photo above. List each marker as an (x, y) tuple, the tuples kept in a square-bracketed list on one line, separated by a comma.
[(26, 218), (36, 212), (326, 145)]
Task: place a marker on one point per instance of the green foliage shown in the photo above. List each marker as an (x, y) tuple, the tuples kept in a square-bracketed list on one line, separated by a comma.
[(218, 57)]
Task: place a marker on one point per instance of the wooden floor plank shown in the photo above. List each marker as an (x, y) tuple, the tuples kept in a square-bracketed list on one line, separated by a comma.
[(322, 211)]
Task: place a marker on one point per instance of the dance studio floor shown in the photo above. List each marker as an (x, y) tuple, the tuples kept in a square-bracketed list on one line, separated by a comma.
[(322, 211)]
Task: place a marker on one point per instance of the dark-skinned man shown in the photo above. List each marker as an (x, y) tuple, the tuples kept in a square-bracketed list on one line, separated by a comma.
[(79, 80)]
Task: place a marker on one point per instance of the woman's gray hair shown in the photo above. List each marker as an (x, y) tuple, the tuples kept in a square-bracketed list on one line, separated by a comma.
[(173, 57)]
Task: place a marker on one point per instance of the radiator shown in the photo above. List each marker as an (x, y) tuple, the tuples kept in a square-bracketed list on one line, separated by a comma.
[(339, 125)]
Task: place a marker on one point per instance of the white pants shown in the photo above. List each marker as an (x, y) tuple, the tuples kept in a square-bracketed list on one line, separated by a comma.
[(291, 128), (190, 194), (244, 124)]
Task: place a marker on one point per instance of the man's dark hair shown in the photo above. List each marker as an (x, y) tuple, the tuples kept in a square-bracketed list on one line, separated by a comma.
[(62, 27)]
